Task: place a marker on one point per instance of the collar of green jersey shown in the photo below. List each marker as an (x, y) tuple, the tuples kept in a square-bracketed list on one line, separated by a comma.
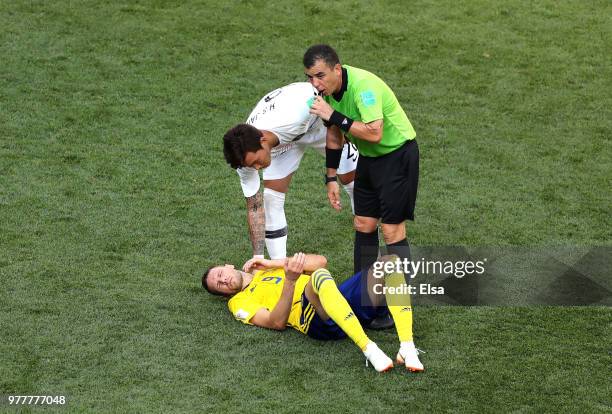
[(338, 95)]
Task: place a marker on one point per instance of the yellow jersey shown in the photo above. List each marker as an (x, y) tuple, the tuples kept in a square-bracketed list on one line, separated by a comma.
[(265, 291)]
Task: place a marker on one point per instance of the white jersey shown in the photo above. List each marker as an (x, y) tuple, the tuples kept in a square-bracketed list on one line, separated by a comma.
[(285, 113)]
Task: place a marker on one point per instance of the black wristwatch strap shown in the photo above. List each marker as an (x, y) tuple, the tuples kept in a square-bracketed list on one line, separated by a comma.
[(330, 179)]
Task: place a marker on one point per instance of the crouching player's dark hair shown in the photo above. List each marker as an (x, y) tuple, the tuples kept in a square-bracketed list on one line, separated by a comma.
[(238, 141)]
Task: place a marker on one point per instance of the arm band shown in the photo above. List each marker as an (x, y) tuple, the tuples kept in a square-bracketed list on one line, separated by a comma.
[(332, 157), (341, 121)]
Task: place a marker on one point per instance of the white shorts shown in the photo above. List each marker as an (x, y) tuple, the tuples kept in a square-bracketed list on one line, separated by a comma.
[(286, 158)]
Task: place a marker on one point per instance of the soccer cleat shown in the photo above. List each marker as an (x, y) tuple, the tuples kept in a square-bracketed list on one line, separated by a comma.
[(377, 358), (382, 322), (408, 355)]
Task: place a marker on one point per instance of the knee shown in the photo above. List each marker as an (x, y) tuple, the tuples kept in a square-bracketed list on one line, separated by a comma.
[(274, 198), (347, 178), (319, 277), (393, 233), (274, 208), (365, 224)]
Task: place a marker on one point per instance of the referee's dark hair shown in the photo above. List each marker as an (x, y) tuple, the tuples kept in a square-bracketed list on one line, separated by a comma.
[(320, 52), (238, 141)]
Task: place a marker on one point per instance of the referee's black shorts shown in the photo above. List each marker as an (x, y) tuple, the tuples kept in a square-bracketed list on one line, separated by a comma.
[(386, 186)]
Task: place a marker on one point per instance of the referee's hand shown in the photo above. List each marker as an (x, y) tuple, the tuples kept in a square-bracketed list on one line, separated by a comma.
[(321, 108), (333, 194)]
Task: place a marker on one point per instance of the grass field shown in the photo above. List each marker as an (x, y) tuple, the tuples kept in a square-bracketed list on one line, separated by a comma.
[(114, 196)]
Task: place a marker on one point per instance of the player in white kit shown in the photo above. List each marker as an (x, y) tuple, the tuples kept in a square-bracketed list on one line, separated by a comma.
[(274, 138)]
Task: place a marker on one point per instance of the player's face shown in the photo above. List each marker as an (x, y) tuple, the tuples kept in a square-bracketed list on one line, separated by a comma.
[(225, 280), (258, 159), (327, 80)]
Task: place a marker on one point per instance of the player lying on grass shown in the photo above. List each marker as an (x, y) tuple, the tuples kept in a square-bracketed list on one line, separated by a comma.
[(274, 138), (279, 293)]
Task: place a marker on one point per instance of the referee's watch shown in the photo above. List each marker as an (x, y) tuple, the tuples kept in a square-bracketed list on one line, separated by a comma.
[(329, 179)]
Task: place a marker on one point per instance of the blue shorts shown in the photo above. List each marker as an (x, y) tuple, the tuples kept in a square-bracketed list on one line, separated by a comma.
[(354, 291)]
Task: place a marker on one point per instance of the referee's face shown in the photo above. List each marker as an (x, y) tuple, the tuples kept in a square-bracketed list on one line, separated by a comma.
[(327, 80)]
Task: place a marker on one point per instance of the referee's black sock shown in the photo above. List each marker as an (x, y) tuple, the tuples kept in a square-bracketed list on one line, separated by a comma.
[(365, 251), (401, 249)]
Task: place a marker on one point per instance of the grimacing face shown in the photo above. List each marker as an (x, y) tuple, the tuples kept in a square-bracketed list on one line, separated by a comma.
[(327, 80), (258, 159), (225, 280)]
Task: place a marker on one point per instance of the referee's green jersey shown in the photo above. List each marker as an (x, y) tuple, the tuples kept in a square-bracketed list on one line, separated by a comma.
[(366, 99)]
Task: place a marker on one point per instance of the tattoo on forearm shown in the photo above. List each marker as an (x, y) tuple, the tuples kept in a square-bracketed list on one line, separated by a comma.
[(257, 222)]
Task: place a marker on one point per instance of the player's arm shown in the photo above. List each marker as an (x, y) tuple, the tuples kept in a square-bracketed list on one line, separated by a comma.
[(256, 219), (334, 140), (312, 262), (277, 317), (371, 132)]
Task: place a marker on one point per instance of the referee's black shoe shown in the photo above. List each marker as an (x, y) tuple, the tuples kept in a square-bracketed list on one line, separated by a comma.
[(382, 322)]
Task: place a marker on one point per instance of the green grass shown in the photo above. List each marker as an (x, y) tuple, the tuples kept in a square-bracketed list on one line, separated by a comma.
[(114, 196)]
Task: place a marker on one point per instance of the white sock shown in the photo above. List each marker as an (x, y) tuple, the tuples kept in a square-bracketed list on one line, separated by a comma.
[(276, 224), (349, 190)]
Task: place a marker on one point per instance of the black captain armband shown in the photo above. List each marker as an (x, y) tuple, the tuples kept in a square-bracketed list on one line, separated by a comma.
[(341, 121), (332, 157)]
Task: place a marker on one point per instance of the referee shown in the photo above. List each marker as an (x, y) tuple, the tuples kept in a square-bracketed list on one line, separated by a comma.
[(358, 105)]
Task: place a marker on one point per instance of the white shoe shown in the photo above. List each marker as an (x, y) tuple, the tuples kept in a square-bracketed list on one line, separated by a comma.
[(408, 355), (377, 358)]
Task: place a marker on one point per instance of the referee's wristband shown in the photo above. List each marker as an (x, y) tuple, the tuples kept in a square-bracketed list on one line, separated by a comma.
[(332, 157), (341, 121)]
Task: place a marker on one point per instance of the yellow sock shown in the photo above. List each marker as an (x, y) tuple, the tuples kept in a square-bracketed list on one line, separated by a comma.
[(400, 306), (336, 306)]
